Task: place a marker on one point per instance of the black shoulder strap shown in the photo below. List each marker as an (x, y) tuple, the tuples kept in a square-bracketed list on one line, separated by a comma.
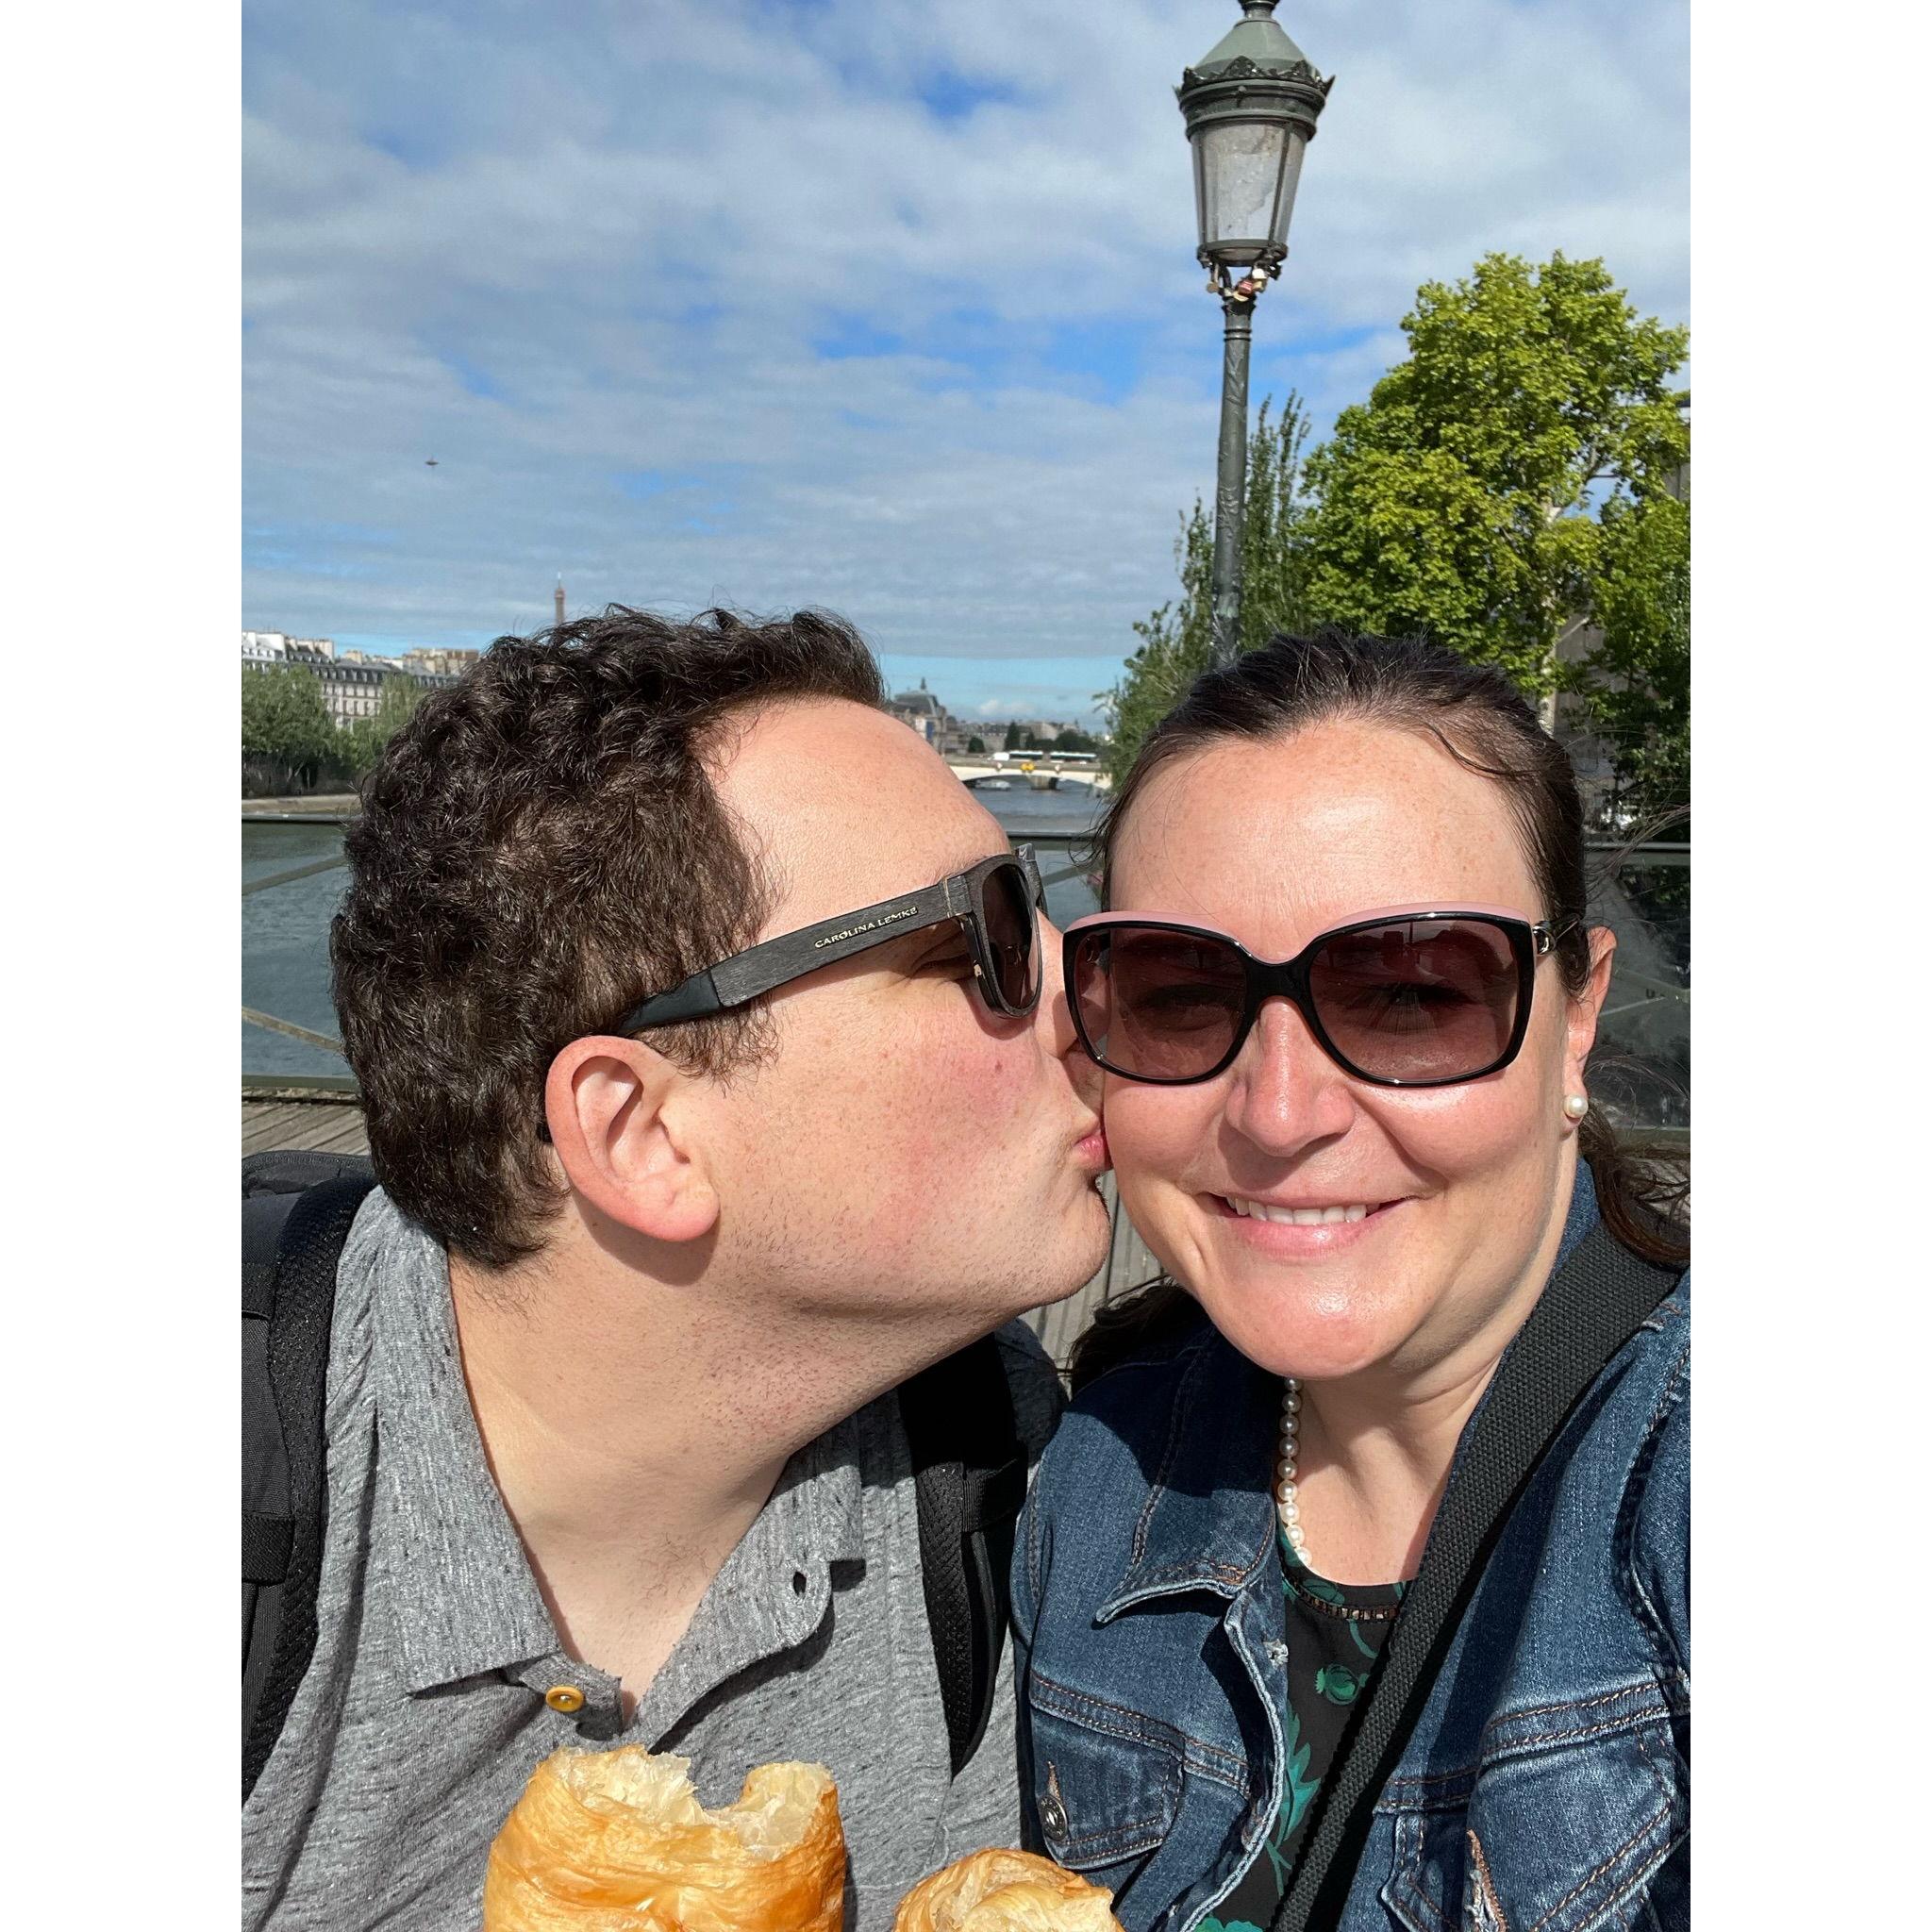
[(290, 1244), (970, 1475), (1595, 1303)]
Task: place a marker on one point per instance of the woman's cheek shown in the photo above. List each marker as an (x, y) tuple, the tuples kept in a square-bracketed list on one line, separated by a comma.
[(1451, 1131), (1151, 1131)]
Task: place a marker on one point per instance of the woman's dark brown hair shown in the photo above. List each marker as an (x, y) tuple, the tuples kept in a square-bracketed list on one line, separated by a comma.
[(1482, 722), (540, 847)]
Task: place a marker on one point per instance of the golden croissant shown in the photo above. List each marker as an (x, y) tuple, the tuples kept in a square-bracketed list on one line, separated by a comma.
[(617, 1841), (1006, 1891)]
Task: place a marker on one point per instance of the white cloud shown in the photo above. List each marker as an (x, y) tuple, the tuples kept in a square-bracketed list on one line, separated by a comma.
[(552, 247)]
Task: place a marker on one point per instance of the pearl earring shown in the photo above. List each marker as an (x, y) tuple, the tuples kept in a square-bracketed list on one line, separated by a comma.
[(1575, 1106)]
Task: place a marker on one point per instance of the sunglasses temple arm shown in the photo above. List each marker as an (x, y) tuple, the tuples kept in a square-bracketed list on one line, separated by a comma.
[(794, 954), (696, 999)]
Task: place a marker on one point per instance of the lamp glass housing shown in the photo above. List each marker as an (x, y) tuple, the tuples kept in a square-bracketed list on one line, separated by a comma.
[(1247, 170)]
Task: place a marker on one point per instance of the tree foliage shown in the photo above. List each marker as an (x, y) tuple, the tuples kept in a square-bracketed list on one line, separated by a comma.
[(1637, 682), (363, 740), (289, 740), (1501, 487), (1467, 499), (285, 725), (1176, 639)]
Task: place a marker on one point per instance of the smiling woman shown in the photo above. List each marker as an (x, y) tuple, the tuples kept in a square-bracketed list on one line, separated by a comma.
[(1344, 997)]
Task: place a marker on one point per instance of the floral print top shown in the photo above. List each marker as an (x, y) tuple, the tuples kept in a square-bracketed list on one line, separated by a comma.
[(1335, 1635)]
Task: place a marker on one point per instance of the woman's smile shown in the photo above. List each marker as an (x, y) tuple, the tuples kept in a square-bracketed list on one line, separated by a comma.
[(1305, 1226)]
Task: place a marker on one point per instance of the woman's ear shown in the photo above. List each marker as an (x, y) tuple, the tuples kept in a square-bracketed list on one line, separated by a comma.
[(622, 1130), (1585, 1007)]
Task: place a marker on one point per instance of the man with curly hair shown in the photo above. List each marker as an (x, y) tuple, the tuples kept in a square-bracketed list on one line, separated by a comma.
[(719, 1082)]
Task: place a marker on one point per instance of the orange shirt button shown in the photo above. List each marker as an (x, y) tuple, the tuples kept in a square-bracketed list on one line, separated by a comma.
[(564, 1697)]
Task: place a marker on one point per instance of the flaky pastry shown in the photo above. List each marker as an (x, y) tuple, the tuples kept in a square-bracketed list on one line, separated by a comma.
[(617, 1841), (1006, 1891)]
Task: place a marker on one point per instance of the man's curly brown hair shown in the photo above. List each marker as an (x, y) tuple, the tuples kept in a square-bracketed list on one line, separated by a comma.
[(540, 849)]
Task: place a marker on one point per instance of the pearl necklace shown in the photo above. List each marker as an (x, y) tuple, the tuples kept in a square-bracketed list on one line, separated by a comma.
[(1286, 1464)]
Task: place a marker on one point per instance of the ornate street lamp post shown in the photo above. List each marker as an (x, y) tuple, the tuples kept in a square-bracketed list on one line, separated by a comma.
[(1251, 107)]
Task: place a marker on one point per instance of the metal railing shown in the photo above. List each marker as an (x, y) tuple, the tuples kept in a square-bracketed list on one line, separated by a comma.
[(1640, 978), (1067, 872)]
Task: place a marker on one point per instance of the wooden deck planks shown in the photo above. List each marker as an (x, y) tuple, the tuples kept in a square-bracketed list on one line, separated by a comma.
[(333, 1125)]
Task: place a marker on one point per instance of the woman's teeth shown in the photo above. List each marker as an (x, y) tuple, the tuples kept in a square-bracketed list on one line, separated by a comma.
[(1298, 1217)]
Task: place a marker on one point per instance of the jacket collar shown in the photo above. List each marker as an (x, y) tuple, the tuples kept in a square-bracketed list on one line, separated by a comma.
[(1208, 1521)]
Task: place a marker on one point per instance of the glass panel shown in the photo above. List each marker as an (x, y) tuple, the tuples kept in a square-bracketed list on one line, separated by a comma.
[(1291, 180), (285, 945), (1240, 172), (1640, 1071)]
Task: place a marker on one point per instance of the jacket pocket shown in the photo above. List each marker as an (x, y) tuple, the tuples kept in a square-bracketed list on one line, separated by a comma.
[(1107, 1782), (1564, 1827)]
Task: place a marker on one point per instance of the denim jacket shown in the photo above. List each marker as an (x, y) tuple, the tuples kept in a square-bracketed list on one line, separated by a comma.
[(1547, 1782)]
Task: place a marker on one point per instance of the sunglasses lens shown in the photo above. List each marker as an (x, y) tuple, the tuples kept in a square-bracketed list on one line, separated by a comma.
[(1432, 999), (1156, 1004), (1012, 938)]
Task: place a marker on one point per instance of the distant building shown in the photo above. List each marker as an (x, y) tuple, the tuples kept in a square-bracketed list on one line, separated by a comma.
[(1045, 732), (440, 663), (275, 646), (350, 690), (927, 715), (351, 680)]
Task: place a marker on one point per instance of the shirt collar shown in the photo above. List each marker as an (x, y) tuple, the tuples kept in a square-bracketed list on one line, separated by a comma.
[(466, 1601), (775, 1590)]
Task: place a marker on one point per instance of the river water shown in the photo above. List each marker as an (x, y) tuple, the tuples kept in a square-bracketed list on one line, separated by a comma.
[(1643, 1069), (285, 927)]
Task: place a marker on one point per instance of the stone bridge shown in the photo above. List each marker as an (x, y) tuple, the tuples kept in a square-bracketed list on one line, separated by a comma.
[(1028, 768)]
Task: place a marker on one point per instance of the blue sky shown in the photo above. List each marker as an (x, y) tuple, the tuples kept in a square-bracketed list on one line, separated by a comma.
[(891, 309)]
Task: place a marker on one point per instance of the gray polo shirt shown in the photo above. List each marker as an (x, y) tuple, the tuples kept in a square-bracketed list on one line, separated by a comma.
[(425, 1709)]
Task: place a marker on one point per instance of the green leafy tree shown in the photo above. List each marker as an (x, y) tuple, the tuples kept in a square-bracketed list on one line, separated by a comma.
[(1176, 640), (1468, 499), (1637, 681), (1016, 739), (287, 735), (975, 744), (363, 739)]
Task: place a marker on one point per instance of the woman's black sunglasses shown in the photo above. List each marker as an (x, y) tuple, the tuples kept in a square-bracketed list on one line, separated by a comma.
[(1416, 998), (994, 901)]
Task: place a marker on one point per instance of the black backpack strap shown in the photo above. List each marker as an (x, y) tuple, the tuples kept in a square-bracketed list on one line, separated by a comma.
[(291, 1246), (969, 1476), (1595, 1303)]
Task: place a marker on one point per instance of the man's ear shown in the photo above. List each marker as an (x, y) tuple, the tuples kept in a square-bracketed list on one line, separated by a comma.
[(622, 1130), (1584, 1008)]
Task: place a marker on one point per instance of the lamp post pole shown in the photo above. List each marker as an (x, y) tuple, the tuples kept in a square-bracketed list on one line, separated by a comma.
[(1250, 108), (1232, 471)]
